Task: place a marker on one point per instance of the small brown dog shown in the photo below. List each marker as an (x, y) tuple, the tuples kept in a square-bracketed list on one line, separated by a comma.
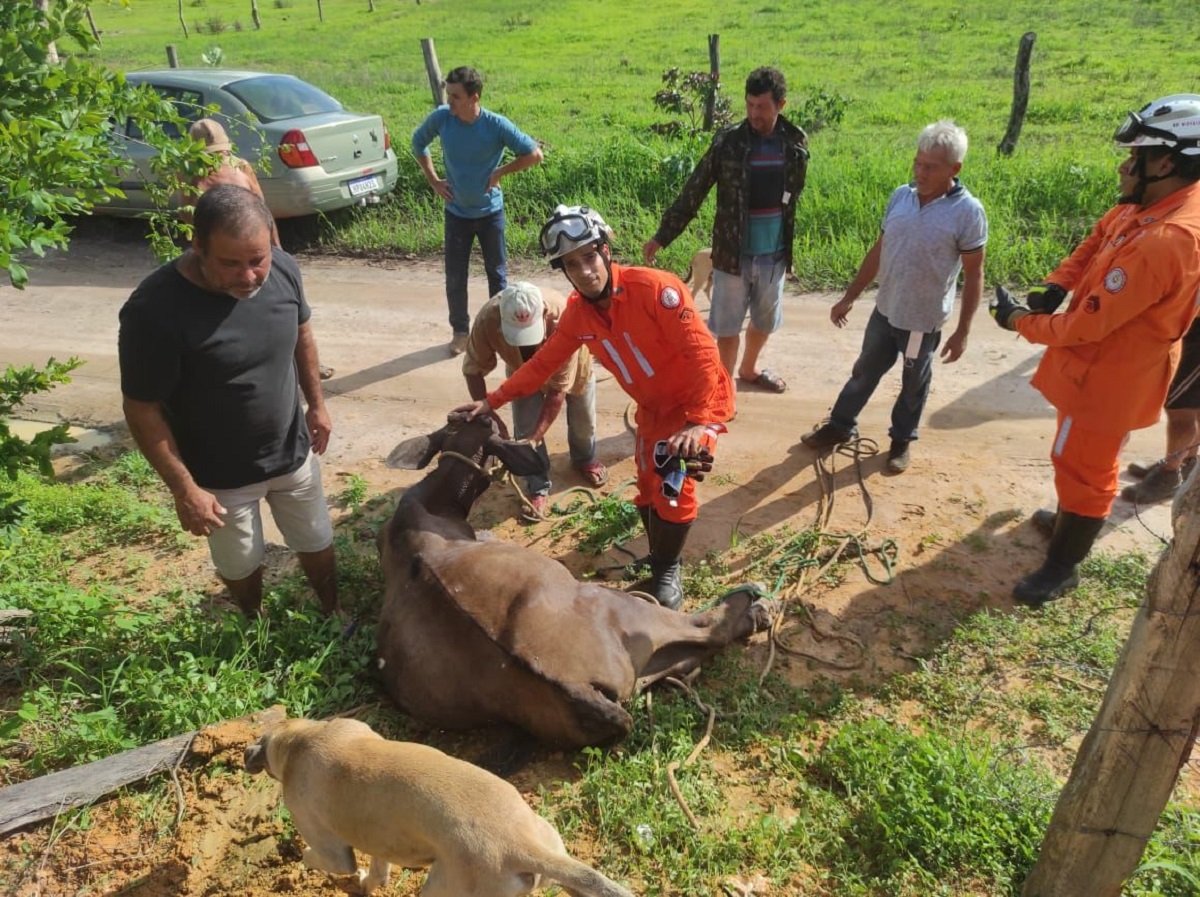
[(699, 277), (349, 788)]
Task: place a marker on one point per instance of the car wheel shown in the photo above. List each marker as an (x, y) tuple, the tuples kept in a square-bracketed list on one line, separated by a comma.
[(298, 234)]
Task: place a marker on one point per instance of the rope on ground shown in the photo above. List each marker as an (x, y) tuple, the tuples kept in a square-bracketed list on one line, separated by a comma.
[(851, 544), (675, 765), (180, 800)]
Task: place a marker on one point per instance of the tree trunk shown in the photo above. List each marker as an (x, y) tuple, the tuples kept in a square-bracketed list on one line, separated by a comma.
[(43, 6), (182, 23), (1143, 733), (320, 11), (1016, 118), (254, 15)]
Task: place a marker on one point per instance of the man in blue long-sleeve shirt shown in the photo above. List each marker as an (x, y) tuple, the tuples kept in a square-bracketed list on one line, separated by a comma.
[(473, 143)]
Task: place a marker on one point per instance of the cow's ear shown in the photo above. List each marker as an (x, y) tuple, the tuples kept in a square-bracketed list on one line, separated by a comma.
[(417, 452), (521, 457)]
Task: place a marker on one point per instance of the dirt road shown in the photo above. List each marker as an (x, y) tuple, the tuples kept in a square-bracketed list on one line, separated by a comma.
[(983, 450)]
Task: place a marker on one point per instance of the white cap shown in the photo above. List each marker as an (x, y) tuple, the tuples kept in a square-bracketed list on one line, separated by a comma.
[(522, 314)]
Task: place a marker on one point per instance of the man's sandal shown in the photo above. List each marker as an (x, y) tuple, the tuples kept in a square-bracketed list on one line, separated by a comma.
[(595, 473), (766, 380)]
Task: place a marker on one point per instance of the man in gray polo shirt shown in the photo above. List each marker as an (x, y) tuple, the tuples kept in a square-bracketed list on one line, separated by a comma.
[(933, 229)]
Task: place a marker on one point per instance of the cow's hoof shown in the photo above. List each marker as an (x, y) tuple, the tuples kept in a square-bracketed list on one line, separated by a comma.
[(762, 613)]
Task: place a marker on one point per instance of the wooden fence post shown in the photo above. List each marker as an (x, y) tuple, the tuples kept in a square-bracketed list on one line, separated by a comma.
[(92, 24), (434, 71), (1016, 118), (370, 5), (714, 73), (1142, 735), (172, 57)]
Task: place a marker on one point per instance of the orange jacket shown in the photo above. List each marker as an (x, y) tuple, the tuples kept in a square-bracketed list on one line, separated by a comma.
[(652, 341), (1135, 283)]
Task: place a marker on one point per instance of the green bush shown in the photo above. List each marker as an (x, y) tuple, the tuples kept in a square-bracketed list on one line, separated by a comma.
[(938, 804)]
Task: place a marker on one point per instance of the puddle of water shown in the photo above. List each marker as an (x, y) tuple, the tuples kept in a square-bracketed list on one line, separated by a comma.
[(85, 439)]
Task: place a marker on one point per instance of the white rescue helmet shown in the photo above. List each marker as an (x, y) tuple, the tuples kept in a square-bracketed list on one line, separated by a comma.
[(570, 228), (1172, 121)]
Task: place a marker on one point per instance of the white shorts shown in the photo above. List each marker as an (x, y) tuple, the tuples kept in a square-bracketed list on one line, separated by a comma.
[(298, 506), (757, 289)]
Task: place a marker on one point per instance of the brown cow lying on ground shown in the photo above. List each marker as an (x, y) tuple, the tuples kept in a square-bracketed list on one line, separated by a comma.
[(474, 633)]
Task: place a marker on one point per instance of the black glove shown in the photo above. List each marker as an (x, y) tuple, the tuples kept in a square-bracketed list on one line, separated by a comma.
[(1004, 307), (1045, 298)]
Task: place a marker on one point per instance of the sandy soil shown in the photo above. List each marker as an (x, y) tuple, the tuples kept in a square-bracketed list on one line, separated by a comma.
[(957, 515)]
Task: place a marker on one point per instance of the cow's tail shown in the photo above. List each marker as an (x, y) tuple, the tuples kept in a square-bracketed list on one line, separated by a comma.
[(578, 878)]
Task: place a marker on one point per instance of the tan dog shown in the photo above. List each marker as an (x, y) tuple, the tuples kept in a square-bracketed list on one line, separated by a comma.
[(699, 278), (349, 788)]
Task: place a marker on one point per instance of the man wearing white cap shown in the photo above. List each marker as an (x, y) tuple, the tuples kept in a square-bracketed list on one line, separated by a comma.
[(510, 327)]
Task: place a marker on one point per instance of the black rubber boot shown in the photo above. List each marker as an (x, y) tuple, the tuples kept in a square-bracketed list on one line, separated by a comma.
[(1043, 521), (1072, 540), (666, 545)]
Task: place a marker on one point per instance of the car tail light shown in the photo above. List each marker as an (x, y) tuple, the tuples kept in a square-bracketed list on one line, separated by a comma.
[(387, 139), (295, 152)]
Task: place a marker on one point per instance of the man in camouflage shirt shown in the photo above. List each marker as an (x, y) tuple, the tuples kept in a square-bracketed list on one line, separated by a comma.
[(759, 168)]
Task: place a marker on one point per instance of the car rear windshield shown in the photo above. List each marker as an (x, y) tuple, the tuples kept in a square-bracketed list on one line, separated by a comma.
[(276, 97)]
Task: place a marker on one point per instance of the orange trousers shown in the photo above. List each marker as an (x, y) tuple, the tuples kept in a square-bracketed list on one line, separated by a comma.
[(651, 427), (1086, 468)]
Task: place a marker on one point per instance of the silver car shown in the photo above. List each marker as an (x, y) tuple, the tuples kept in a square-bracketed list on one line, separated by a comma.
[(320, 156)]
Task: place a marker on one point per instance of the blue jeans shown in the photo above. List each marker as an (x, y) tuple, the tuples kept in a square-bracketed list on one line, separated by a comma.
[(882, 345), (460, 234), (581, 430)]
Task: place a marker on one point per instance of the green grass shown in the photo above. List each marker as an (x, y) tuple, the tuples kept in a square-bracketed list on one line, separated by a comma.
[(936, 782), (597, 523), (355, 492), (930, 807), (103, 666), (581, 77), (1039, 674)]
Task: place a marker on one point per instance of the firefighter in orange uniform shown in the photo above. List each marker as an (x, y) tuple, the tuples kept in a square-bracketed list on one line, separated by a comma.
[(1134, 282), (642, 326)]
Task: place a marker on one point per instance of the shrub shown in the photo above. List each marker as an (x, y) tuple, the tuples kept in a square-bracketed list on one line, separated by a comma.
[(938, 804)]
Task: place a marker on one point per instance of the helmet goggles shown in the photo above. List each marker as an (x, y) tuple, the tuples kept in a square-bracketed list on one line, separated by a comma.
[(1134, 128), (569, 229)]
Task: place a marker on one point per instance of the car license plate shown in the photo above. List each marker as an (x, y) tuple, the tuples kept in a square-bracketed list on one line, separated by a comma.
[(362, 186)]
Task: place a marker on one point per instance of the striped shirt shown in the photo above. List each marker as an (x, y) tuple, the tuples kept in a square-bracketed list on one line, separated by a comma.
[(767, 163)]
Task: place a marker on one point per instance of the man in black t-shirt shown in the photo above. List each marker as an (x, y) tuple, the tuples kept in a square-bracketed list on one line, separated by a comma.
[(215, 349)]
